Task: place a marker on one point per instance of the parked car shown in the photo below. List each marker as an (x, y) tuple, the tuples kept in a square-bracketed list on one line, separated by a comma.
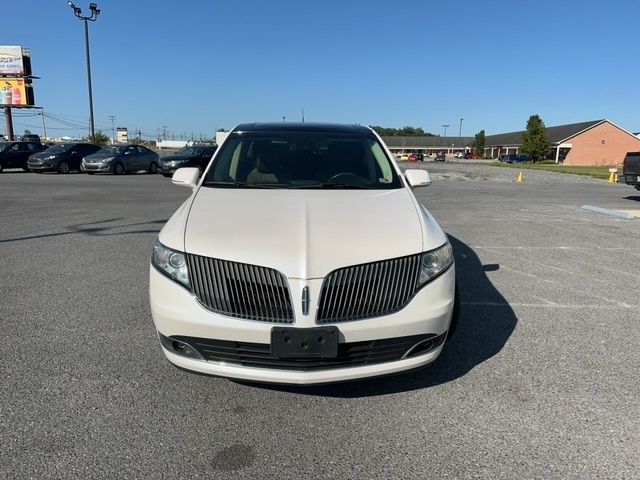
[(515, 158), (121, 159), (419, 157), (440, 157), (30, 137), (631, 169), (268, 271), (61, 158), (197, 156), (16, 154)]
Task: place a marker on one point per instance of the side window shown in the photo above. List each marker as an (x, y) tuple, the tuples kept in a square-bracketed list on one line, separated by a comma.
[(142, 150), (15, 147), (31, 146)]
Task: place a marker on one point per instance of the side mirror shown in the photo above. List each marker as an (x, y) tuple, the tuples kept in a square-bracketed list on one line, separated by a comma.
[(186, 177), (417, 178)]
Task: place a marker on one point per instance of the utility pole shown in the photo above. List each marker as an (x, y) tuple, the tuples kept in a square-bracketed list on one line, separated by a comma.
[(460, 131), (164, 132), (44, 127), (113, 128)]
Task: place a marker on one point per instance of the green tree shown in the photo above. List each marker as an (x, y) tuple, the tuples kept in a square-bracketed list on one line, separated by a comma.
[(407, 131), (479, 142), (534, 140), (101, 138)]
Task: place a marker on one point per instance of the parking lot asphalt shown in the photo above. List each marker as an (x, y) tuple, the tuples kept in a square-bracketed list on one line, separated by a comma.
[(540, 380)]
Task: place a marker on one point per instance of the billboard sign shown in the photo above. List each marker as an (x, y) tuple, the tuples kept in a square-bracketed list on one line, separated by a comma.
[(11, 60), (122, 135), (13, 92)]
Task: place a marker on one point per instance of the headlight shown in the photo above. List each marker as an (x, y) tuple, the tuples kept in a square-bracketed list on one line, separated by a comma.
[(171, 262), (433, 263), (50, 157), (106, 160)]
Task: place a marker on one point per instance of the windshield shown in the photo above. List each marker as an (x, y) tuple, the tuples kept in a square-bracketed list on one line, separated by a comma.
[(320, 160), (188, 151), (4, 146), (114, 150), (58, 148)]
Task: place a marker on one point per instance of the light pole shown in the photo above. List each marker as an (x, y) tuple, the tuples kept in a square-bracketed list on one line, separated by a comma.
[(445, 129), (95, 11), (460, 131), (113, 128)]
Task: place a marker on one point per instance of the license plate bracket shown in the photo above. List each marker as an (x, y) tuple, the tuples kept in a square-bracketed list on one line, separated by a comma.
[(320, 342)]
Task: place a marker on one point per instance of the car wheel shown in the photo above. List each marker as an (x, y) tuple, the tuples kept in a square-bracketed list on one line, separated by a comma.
[(118, 169), (153, 168), (63, 167), (167, 175), (90, 173)]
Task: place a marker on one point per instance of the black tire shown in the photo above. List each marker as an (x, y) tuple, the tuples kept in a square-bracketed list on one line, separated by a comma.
[(90, 173), (167, 175), (118, 169), (153, 168), (63, 167)]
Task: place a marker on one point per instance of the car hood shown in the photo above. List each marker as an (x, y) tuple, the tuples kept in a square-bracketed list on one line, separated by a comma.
[(181, 158), (98, 155), (42, 155), (303, 234)]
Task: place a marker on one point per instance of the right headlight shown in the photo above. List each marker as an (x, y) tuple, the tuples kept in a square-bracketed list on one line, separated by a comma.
[(433, 263), (171, 263)]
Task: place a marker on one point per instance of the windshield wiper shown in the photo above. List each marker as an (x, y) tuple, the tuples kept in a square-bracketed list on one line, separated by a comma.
[(343, 186), (238, 185)]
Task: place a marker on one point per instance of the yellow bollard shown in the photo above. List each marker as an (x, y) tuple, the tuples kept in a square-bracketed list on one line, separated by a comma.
[(520, 177), (612, 175)]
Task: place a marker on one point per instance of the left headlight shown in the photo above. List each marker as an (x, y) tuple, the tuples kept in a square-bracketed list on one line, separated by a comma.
[(171, 263), (433, 263)]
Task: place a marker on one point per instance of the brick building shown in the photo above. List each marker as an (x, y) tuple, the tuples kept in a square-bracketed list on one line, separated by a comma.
[(599, 142)]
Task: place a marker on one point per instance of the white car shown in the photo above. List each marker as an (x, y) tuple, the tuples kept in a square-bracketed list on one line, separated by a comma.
[(302, 257)]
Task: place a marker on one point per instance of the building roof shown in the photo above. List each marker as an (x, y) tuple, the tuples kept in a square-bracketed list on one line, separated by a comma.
[(428, 142), (554, 135)]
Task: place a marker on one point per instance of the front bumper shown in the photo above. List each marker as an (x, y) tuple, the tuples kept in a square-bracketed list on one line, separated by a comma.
[(96, 167), (178, 314), (42, 167)]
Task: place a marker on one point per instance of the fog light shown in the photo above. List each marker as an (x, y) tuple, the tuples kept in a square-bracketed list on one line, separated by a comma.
[(179, 347)]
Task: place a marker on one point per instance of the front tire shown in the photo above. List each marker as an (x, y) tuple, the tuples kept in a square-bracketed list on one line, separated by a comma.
[(153, 168), (118, 169), (63, 167)]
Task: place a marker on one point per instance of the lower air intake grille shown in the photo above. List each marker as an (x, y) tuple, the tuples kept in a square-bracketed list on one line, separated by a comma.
[(352, 354)]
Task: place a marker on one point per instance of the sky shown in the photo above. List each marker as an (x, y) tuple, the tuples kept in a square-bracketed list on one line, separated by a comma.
[(197, 66)]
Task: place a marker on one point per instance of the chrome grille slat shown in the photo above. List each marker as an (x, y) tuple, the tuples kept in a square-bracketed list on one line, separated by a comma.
[(240, 290), (368, 290)]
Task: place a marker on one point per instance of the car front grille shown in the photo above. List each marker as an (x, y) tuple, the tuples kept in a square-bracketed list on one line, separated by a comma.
[(354, 354), (241, 290), (368, 290)]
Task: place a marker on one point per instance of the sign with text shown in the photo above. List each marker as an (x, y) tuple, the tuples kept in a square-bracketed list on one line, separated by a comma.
[(122, 135), (15, 92), (11, 60)]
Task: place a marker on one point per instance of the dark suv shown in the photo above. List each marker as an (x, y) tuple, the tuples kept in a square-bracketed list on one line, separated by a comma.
[(15, 154), (61, 158)]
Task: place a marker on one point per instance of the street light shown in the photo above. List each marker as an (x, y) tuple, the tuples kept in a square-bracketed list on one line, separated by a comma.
[(445, 129), (460, 131), (95, 11)]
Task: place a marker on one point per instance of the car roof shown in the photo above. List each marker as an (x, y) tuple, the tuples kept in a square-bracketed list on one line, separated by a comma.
[(274, 127)]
